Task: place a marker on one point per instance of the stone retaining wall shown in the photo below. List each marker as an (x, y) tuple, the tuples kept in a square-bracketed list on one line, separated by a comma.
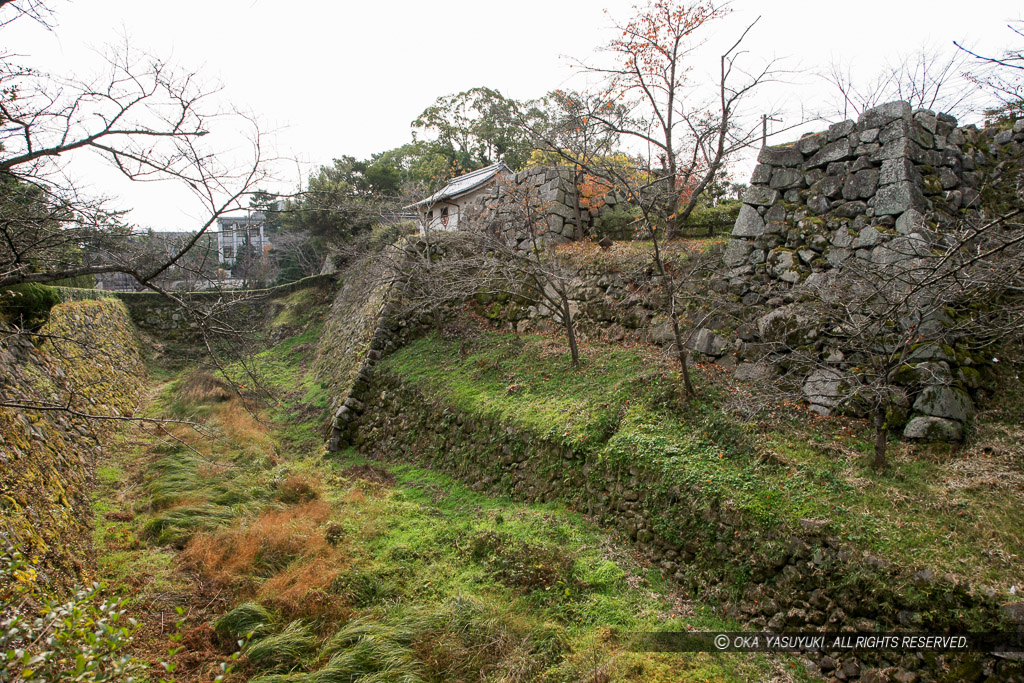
[(47, 457), (770, 578), (863, 195)]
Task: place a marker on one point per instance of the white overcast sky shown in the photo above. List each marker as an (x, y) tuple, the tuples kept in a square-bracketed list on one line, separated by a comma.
[(334, 78)]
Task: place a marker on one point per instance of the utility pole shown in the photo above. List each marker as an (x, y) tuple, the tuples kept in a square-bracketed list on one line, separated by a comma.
[(764, 127)]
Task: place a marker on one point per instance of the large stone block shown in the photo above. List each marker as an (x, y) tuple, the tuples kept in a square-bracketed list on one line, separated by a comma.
[(823, 388), (899, 197), (760, 195), (786, 178), (900, 128), (834, 151), (749, 223), (707, 342), (943, 401), (883, 114), (861, 185), (780, 156), (830, 186), (840, 130), (901, 148), (761, 175), (933, 429), (809, 144), (736, 253), (898, 170)]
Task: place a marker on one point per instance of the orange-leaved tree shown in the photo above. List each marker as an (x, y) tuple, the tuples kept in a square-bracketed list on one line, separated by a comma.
[(687, 129)]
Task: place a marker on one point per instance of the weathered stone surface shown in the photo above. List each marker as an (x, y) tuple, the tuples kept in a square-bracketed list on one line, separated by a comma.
[(736, 252), (809, 144), (829, 186), (900, 148), (761, 175), (948, 178), (945, 401), (926, 119), (851, 209), (748, 223), (900, 128), (781, 324), (842, 238), (786, 178), (862, 163), (1003, 137), (869, 135), (841, 129), (897, 198), (818, 204), (780, 260), (780, 156), (868, 237), (759, 195), (823, 387), (834, 151), (837, 168), (753, 372), (883, 114), (836, 256), (707, 342), (898, 170), (861, 185), (933, 429), (910, 221), (775, 213)]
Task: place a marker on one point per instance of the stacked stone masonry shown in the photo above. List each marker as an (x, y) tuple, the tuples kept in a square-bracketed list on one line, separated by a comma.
[(47, 457), (806, 578), (552, 191), (868, 189)]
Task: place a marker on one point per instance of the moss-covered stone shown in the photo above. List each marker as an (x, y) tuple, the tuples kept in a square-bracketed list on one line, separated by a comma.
[(90, 362)]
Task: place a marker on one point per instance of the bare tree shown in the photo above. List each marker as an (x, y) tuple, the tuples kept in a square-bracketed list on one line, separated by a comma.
[(151, 122), (927, 78), (873, 337), (689, 129), (1002, 76)]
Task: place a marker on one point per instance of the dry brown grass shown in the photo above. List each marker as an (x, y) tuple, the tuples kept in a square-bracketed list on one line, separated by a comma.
[(262, 548), (302, 589), (239, 425), (299, 488), (200, 386), (282, 558)]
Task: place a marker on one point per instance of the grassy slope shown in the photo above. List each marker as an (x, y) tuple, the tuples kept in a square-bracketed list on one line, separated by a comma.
[(352, 569), (949, 511)]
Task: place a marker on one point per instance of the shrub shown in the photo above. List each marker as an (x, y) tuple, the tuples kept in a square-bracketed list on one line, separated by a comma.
[(27, 305), (81, 639)]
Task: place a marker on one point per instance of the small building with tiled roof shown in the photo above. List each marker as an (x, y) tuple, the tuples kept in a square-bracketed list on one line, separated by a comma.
[(445, 208)]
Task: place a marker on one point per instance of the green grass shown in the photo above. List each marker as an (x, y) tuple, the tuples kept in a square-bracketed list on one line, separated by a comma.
[(623, 406), (438, 582)]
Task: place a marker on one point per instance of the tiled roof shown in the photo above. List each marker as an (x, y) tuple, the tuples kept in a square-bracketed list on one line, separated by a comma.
[(463, 184)]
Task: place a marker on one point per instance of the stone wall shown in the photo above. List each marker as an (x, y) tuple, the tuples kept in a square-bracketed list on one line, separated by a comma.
[(160, 318), (552, 191), (355, 337), (47, 457), (865, 194), (770, 578)]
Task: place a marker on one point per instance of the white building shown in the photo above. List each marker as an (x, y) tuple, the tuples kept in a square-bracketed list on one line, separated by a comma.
[(445, 208), (234, 233)]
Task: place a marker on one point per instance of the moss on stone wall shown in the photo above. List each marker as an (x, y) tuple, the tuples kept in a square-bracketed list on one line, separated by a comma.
[(344, 345), (87, 360)]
